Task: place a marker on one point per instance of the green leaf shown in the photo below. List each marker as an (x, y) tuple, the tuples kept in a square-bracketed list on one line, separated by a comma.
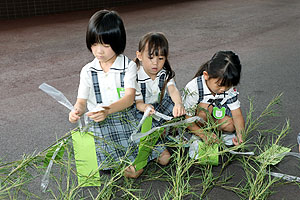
[(50, 153)]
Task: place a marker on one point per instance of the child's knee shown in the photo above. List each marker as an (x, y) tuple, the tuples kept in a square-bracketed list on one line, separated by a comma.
[(228, 126), (164, 157), (203, 110), (202, 114)]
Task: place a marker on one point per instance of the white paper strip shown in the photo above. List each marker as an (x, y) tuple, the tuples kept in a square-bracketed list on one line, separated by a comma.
[(45, 179), (97, 108), (289, 154), (163, 116), (60, 97), (242, 153), (285, 176), (57, 95), (227, 139), (146, 113), (137, 136)]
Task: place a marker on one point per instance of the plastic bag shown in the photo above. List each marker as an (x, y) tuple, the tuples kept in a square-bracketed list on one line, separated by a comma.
[(57, 95)]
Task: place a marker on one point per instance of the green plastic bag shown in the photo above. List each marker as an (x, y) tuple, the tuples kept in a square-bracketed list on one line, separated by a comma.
[(146, 144), (85, 159)]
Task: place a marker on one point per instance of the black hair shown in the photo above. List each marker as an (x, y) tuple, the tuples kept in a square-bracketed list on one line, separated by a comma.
[(106, 27), (224, 65), (157, 46)]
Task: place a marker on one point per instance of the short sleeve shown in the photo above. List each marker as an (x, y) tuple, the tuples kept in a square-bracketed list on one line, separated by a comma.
[(171, 82), (233, 103), (130, 76), (84, 84), (190, 98)]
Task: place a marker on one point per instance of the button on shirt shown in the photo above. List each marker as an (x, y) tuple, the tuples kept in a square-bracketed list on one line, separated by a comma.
[(191, 96), (108, 82), (152, 86)]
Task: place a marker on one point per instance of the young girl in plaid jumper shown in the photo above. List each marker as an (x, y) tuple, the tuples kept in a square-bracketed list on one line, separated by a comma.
[(156, 85), (109, 82), (212, 89), (156, 88)]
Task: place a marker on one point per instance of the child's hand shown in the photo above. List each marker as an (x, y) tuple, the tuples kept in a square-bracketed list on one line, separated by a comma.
[(98, 116), (178, 110), (152, 111), (237, 140), (74, 116)]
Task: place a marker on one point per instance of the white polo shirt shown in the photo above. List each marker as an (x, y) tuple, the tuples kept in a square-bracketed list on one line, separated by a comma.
[(108, 82), (152, 86), (191, 96)]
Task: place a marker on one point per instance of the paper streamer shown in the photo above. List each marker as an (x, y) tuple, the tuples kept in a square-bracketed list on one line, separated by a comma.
[(146, 113), (57, 95), (60, 97), (137, 136), (156, 115), (45, 179), (242, 153), (285, 176), (227, 139), (163, 116), (97, 109)]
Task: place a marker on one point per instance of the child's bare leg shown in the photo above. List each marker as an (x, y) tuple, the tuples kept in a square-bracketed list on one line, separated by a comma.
[(202, 113), (130, 172), (164, 157), (228, 125)]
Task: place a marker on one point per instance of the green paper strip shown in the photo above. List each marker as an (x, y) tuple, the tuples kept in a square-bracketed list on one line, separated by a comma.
[(146, 144), (86, 159)]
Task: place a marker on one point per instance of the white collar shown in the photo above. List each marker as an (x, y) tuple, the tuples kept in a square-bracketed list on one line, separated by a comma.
[(116, 66), (207, 92), (144, 77)]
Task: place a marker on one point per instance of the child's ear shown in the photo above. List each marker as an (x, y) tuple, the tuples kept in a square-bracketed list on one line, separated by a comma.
[(139, 55), (205, 74)]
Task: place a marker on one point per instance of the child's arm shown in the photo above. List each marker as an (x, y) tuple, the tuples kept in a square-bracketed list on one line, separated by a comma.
[(79, 109), (141, 106), (196, 130), (119, 105), (178, 109), (239, 124)]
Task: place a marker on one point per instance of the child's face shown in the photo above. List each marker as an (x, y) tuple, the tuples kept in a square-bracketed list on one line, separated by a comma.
[(152, 64), (213, 84), (103, 52)]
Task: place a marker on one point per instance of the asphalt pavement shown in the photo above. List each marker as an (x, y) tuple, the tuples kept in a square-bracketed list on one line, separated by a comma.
[(264, 33)]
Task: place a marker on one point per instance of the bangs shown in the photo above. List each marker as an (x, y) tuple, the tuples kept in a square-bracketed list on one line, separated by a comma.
[(221, 68), (104, 36), (230, 78), (226, 82), (157, 46)]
